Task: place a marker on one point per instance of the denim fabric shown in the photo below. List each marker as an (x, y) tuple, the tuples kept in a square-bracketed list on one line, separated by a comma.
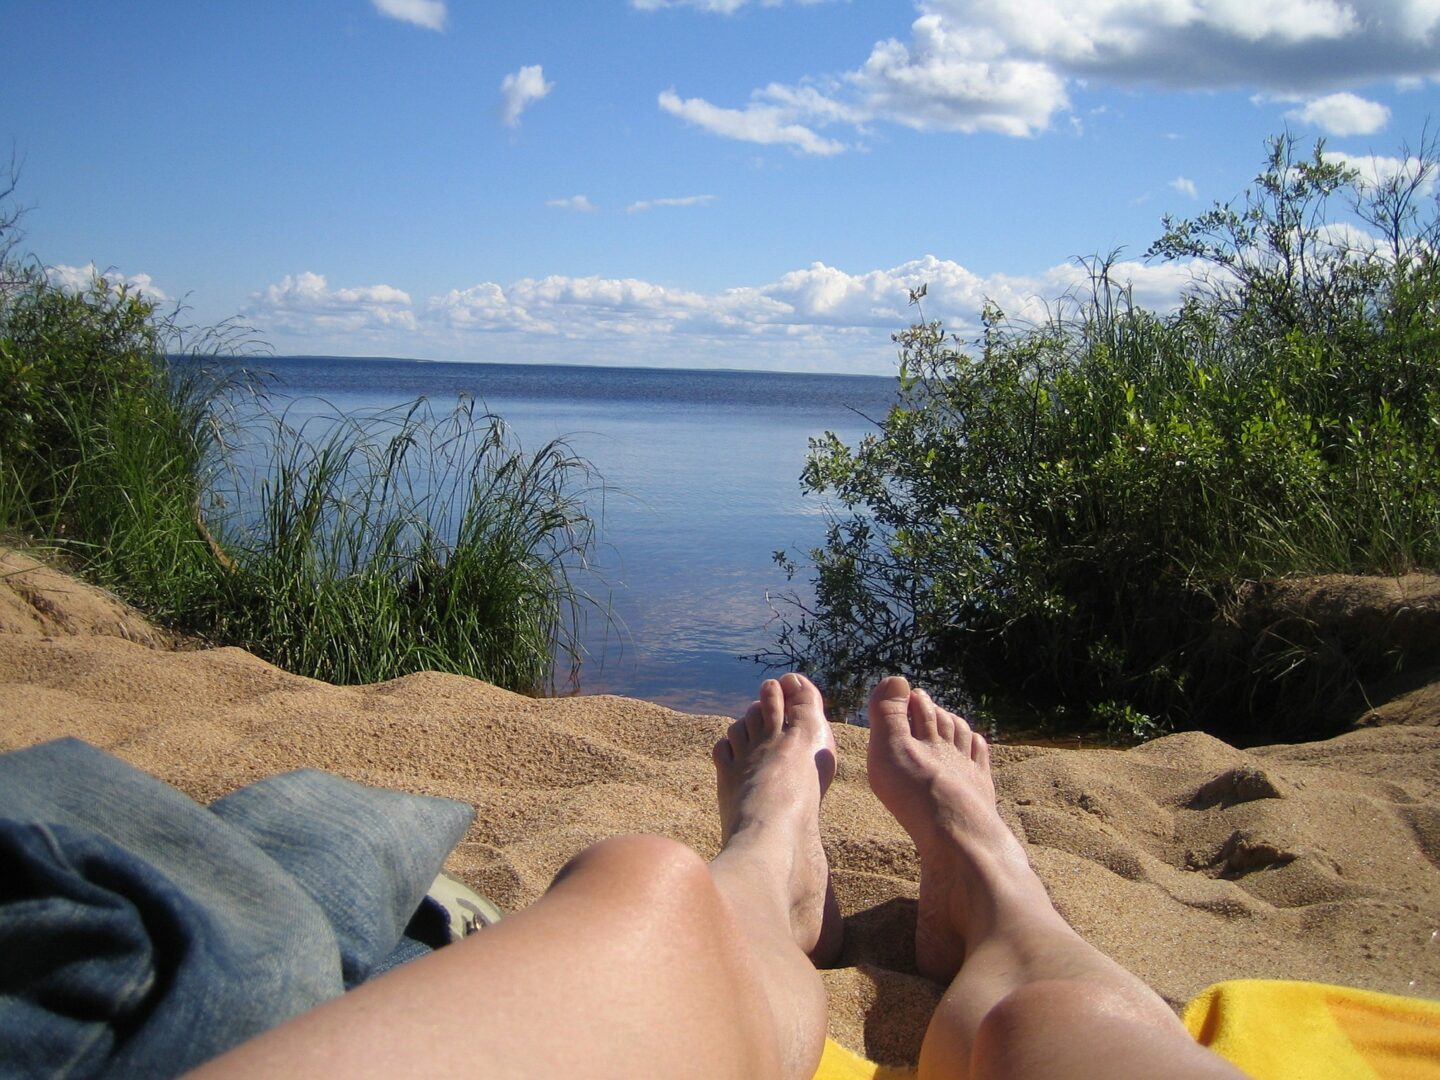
[(364, 855), (142, 934)]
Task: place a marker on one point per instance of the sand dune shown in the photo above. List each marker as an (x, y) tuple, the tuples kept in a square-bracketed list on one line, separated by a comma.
[(1185, 859)]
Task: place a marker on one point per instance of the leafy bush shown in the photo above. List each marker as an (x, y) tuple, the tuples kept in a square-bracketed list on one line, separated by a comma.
[(1066, 514)]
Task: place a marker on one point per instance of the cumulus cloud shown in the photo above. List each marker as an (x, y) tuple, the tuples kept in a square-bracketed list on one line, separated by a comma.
[(574, 202), (520, 91), (305, 304), (817, 299), (1374, 170), (949, 77), (79, 279), (758, 122), (431, 14), (1185, 186), (684, 200), (1342, 114), (993, 65), (1281, 45), (818, 316)]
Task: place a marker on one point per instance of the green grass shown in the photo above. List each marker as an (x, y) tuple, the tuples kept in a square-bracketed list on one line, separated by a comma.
[(370, 549), (410, 541)]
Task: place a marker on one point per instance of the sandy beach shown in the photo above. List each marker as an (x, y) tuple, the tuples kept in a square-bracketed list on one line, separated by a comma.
[(1185, 859)]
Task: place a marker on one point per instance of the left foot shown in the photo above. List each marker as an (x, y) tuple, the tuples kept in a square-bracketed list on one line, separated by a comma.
[(772, 768)]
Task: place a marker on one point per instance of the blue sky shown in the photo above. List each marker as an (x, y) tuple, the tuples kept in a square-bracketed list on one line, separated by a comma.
[(678, 182)]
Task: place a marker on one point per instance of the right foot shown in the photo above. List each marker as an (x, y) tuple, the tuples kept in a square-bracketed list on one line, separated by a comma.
[(981, 905), (933, 773)]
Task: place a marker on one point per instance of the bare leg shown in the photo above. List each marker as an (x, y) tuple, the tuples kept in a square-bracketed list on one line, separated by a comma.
[(1029, 996), (640, 960), (772, 768)]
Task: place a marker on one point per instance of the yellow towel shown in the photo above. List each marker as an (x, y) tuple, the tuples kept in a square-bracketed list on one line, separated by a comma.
[(837, 1063), (1276, 1030)]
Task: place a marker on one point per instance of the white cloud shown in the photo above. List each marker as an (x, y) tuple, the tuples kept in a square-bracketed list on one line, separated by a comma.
[(757, 123), (574, 202), (1000, 66), (78, 279), (819, 299), (521, 90), (1155, 286), (1185, 186), (430, 14), (1342, 114), (305, 304), (1375, 170), (819, 317), (949, 77), (684, 200), (1126, 37), (1341, 237)]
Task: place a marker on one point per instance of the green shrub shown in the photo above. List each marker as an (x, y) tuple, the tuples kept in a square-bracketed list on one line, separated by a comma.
[(1065, 513)]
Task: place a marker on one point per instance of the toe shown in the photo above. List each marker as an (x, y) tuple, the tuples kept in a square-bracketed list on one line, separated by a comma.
[(754, 719), (964, 736), (802, 698), (772, 709), (980, 751), (947, 726), (954, 729), (922, 716), (745, 731), (889, 705), (722, 753)]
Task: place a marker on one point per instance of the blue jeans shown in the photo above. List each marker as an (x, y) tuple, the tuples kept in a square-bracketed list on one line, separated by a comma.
[(142, 934)]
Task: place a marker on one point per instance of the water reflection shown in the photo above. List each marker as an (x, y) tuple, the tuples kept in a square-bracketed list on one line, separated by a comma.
[(700, 487)]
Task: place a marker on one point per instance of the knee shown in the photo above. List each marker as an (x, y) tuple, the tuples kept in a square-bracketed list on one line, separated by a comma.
[(661, 870), (1023, 1024)]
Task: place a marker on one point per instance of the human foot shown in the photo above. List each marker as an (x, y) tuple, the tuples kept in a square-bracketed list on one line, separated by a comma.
[(933, 773), (772, 768)]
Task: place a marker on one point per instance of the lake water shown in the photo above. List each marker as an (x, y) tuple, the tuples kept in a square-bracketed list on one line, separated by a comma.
[(701, 486)]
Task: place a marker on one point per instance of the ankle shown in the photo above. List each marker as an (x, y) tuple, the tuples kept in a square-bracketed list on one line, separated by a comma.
[(985, 892)]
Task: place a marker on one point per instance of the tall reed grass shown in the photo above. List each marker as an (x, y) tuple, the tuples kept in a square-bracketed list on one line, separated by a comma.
[(352, 550), (406, 541)]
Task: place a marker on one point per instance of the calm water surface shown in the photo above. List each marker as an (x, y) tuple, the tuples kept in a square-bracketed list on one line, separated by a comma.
[(701, 485)]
